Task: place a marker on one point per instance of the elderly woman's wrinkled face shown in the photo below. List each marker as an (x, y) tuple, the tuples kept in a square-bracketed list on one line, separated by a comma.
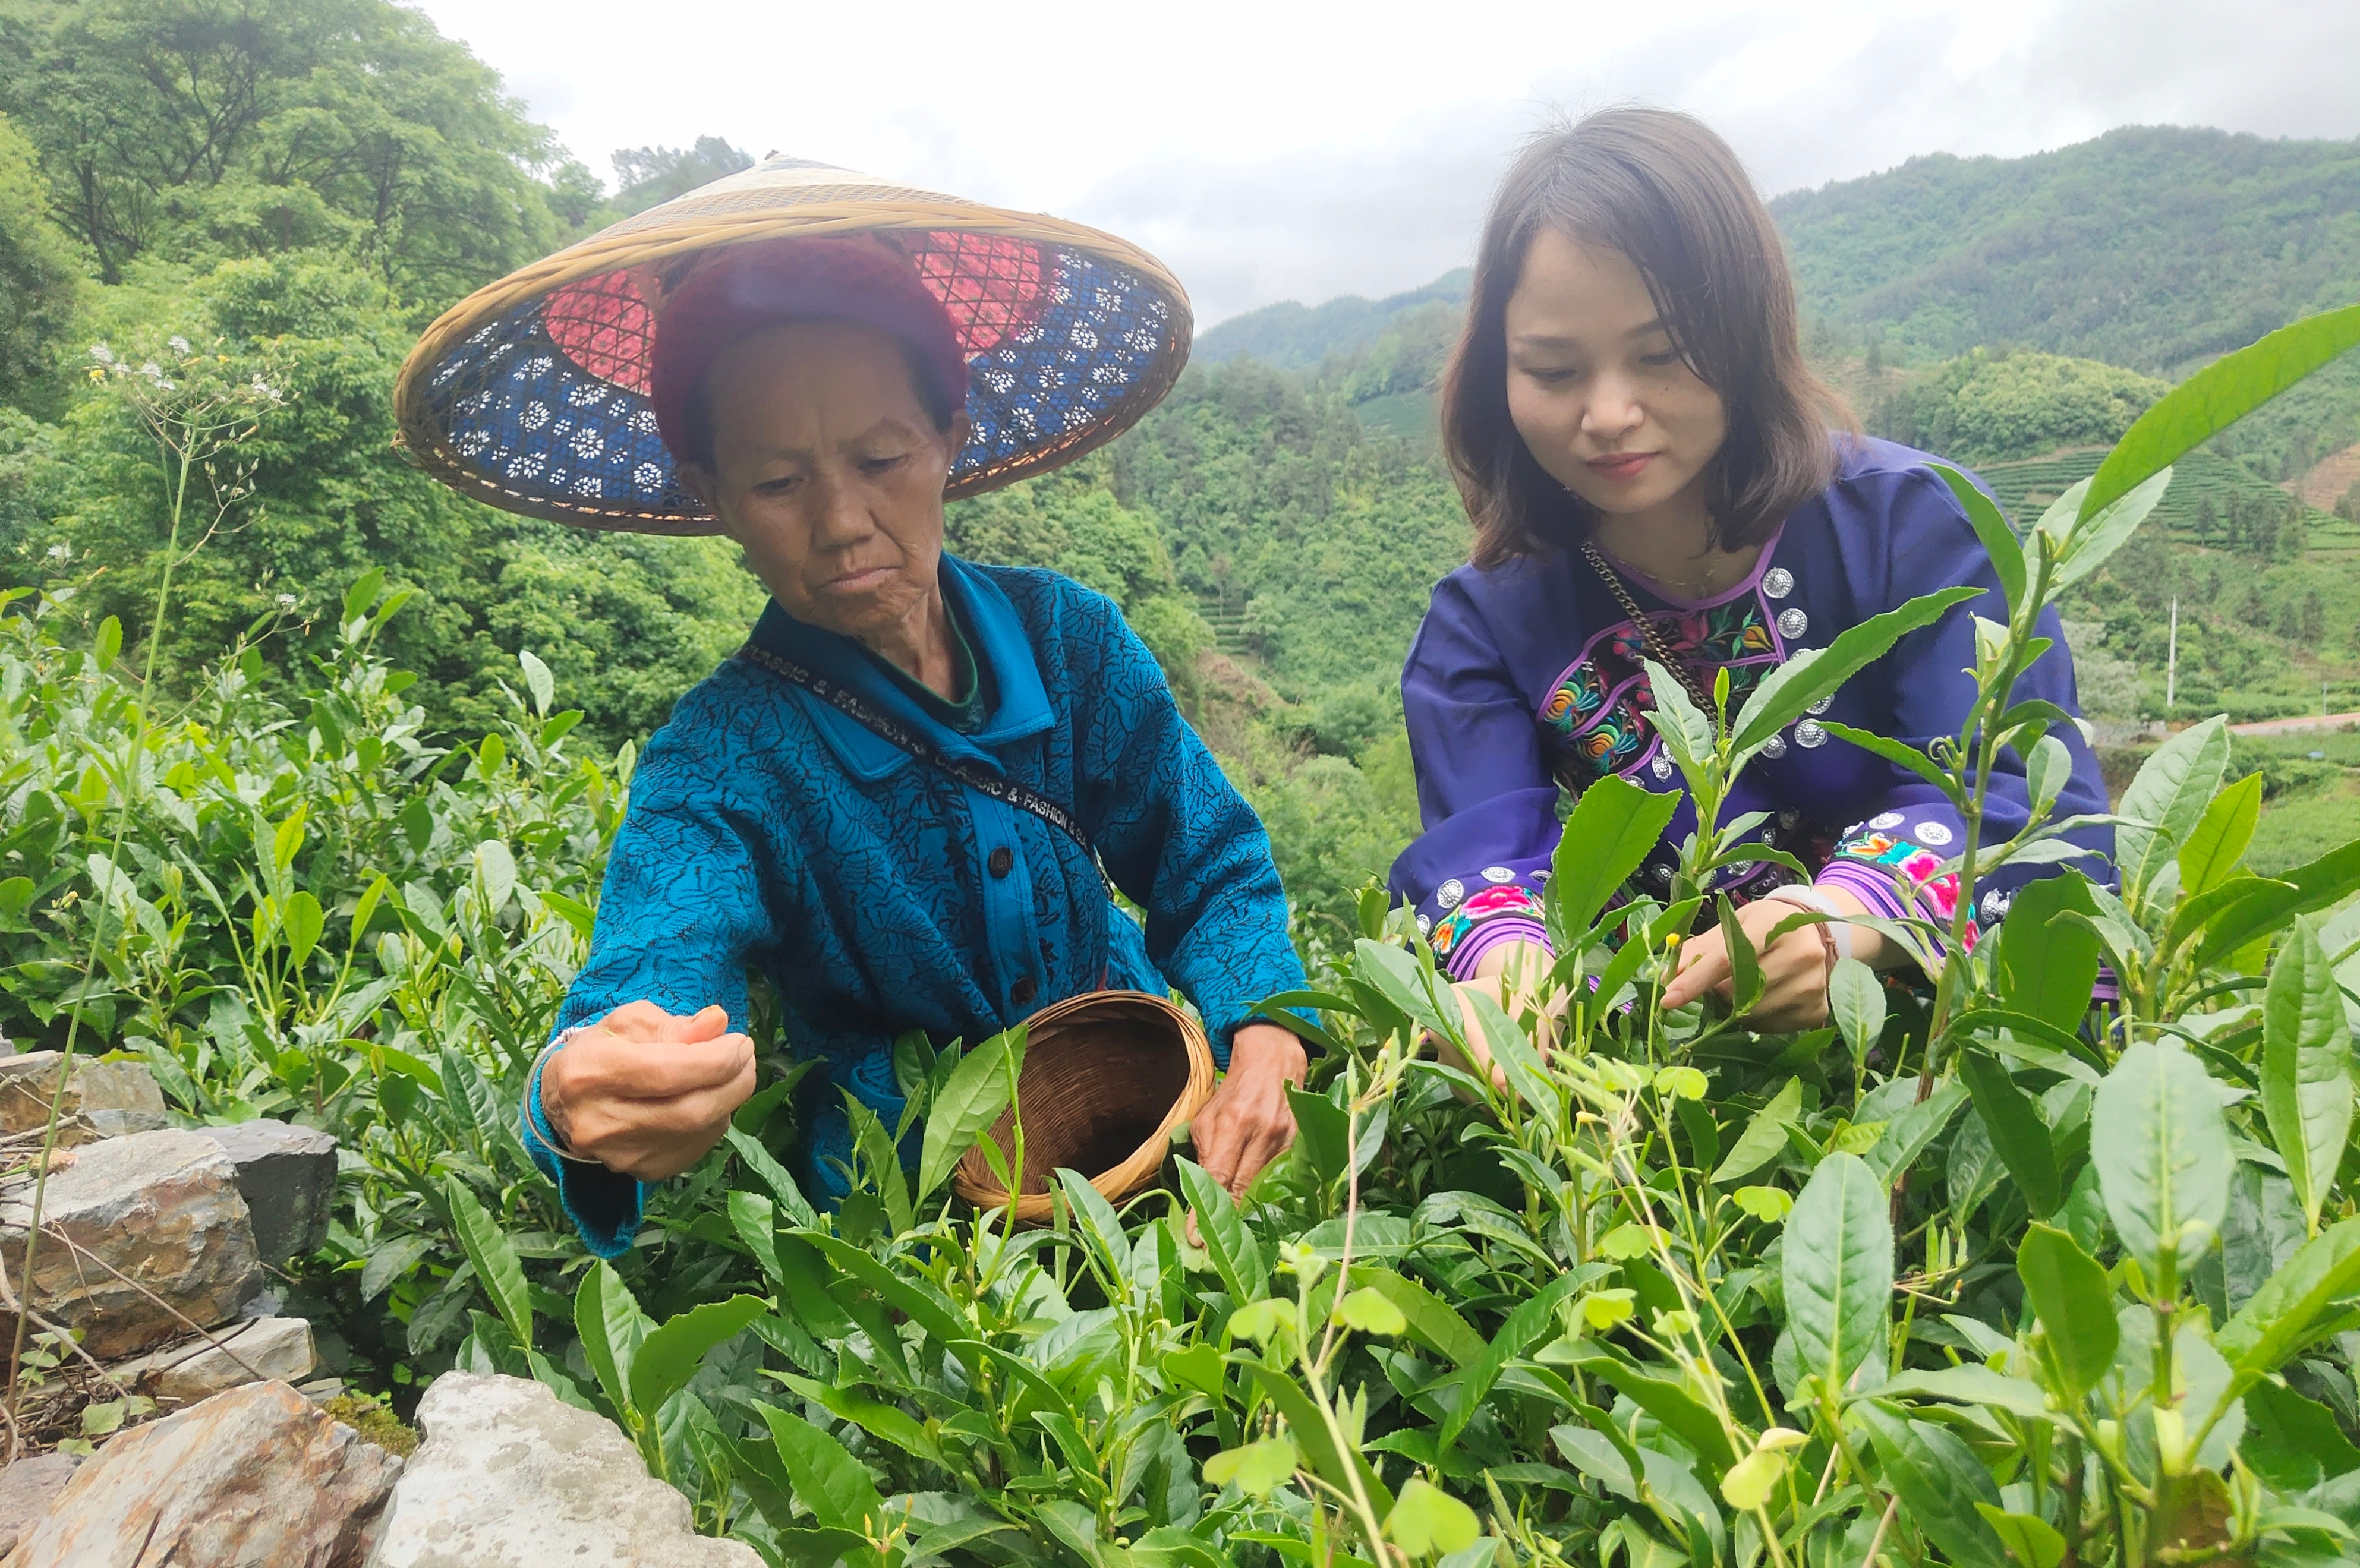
[(828, 472)]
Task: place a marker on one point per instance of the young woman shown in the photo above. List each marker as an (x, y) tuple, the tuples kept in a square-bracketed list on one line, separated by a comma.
[(1650, 471)]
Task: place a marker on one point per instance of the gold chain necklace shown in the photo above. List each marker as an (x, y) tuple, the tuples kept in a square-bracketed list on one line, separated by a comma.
[(1645, 625)]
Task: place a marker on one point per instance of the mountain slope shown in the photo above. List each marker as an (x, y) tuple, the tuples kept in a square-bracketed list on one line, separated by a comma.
[(2153, 246), (1292, 335)]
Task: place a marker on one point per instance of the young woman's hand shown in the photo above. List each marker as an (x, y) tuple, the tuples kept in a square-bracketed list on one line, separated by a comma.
[(647, 1093), (1508, 973), (1248, 1122), (1794, 967)]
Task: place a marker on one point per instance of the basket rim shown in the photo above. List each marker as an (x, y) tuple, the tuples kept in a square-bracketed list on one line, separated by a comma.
[(417, 435), (973, 1181)]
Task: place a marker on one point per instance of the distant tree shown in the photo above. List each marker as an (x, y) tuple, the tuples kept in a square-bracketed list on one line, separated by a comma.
[(2207, 519), (2314, 616), (1996, 404), (202, 129), (39, 282), (645, 176)]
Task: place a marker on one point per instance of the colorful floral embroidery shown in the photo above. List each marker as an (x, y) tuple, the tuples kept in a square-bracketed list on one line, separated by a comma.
[(1511, 899), (1938, 896), (1594, 713)]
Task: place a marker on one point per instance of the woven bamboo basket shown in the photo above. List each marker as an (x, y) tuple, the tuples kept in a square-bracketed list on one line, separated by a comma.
[(1107, 1077)]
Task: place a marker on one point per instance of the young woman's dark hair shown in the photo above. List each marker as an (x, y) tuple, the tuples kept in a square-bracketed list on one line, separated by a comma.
[(1663, 190)]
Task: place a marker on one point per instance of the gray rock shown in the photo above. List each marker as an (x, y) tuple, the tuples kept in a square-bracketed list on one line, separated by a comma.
[(125, 1222), (287, 1175), (104, 1099), (509, 1477), (257, 1350), (27, 1488), (253, 1478)]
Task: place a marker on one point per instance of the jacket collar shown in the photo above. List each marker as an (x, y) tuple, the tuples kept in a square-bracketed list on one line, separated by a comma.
[(1020, 703)]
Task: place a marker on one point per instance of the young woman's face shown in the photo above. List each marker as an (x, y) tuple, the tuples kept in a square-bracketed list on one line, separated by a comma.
[(1601, 397), (828, 473)]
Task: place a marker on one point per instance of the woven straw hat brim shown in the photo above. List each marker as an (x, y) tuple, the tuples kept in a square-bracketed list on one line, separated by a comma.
[(1108, 1078), (530, 394)]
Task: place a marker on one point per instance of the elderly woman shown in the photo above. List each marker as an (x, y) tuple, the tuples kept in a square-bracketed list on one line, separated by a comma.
[(896, 799)]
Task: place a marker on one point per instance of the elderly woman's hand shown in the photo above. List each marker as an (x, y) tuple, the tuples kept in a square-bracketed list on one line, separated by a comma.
[(1248, 1122), (645, 1092)]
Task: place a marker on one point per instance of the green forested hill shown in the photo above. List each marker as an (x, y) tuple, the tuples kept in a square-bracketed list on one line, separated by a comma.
[(1294, 336), (2153, 246)]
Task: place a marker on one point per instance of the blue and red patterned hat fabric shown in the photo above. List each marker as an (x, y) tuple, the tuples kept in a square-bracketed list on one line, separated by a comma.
[(746, 289), (553, 407)]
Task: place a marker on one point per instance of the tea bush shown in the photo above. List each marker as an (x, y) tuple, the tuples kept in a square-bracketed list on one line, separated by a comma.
[(1977, 1275)]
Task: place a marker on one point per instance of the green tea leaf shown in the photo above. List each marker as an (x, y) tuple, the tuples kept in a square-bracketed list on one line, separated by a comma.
[(2090, 542), (1838, 1269), (773, 1175), (1764, 1135), (2292, 1442), (670, 1355), (1999, 540), (1323, 1132), (2166, 801), (538, 681), (495, 1257), (2032, 1540), (1523, 1330), (1313, 1439), (1432, 1321), (302, 923), (2218, 841), (2016, 1130), (2161, 1145), (1856, 1001), (1686, 730), (1236, 1255), (2074, 1303), (827, 1479), (1790, 689), (2216, 398), (611, 1327), (2307, 1085), (1100, 1226), (2305, 890), (2295, 1305), (1940, 1482), (1613, 825), (2048, 966), (976, 1093)]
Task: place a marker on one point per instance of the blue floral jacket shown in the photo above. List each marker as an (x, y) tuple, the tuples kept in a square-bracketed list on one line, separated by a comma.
[(768, 830)]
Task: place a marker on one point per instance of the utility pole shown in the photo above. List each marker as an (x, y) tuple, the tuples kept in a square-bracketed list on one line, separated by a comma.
[(2171, 663)]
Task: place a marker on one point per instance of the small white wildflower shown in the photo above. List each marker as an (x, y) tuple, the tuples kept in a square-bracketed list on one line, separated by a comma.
[(60, 552), (265, 389), (152, 371), (178, 344), (286, 601), (101, 352)]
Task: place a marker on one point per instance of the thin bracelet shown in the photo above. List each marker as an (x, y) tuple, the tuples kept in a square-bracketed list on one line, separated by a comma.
[(1837, 928), (535, 1115)]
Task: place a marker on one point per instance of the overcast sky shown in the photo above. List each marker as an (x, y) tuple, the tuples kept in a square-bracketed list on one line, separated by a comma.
[(1272, 149)]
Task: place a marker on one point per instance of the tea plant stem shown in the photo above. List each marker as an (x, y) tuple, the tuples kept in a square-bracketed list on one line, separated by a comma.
[(1883, 1523), (185, 451)]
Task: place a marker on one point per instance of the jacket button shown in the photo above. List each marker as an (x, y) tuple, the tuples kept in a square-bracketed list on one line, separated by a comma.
[(1024, 991), (1002, 861)]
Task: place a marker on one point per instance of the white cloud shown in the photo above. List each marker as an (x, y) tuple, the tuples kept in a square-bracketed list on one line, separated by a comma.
[(1270, 149)]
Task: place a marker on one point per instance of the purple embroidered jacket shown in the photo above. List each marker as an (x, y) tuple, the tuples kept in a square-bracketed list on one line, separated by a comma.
[(1527, 677)]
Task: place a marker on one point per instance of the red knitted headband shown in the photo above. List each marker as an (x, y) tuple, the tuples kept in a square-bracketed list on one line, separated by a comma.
[(748, 288)]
